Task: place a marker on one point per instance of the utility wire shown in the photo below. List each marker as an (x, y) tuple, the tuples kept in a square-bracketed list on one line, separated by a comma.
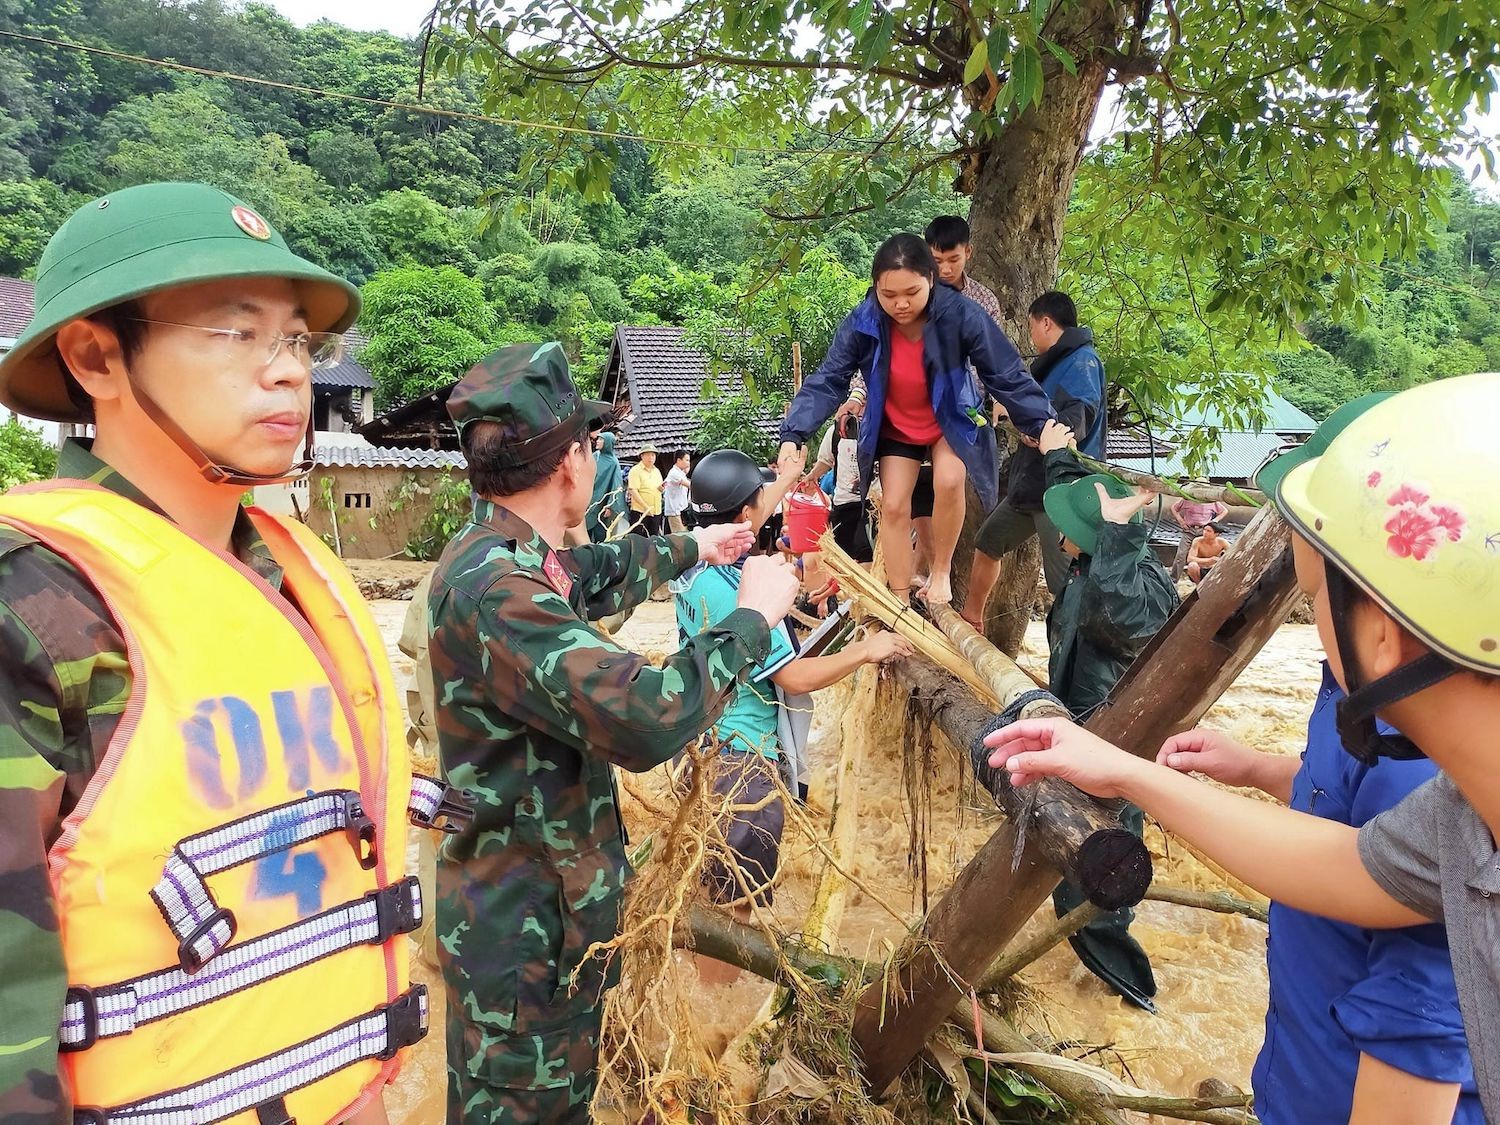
[(678, 142), (438, 111)]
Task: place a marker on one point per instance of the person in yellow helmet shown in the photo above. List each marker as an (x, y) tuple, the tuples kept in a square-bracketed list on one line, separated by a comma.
[(1397, 540), (203, 786)]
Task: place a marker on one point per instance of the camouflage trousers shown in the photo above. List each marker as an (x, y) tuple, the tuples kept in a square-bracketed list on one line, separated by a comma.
[(518, 1079)]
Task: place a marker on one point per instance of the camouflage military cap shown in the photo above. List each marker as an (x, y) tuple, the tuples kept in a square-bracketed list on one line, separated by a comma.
[(527, 390)]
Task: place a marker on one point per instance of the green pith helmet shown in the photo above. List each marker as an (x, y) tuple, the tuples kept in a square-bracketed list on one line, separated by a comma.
[(1074, 508), (527, 390), (139, 240)]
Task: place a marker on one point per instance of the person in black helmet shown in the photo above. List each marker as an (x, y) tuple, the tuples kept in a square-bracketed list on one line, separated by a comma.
[(729, 487)]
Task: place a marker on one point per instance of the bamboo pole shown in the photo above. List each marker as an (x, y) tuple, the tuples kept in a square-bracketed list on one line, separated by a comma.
[(1221, 902), (873, 599), (1013, 961), (1000, 672), (1188, 489)]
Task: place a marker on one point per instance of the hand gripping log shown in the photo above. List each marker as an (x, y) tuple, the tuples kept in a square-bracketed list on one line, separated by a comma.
[(1218, 630)]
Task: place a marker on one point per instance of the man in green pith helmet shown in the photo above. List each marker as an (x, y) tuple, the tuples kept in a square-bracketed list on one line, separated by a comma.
[(202, 781), (534, 706), (1116, 597)]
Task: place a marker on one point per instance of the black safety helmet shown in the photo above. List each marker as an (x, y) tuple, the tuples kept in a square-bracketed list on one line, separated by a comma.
[(724, 481)]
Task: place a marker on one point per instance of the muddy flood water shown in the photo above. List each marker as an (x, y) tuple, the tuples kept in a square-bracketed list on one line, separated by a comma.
[(1209, 967)]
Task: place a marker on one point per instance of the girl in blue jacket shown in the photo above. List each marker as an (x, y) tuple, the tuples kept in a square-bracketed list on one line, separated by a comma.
[(915, 342)]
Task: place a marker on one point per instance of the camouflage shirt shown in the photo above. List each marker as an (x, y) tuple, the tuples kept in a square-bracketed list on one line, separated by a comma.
[(64, 682), (533, 705)]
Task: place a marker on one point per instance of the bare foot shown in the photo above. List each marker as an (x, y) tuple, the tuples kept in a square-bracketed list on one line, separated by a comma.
[(919, 585), (974, 623), (939, 589)]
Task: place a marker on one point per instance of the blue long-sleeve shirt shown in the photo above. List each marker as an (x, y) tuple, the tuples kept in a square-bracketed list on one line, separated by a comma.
[(1339, 991), (958, 334)]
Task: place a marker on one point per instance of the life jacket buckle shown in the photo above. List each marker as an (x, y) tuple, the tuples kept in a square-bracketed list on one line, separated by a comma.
[(83, 996), (188, 956), (398, 909), (405, 1021), (274, 1112), (455, 809), (361, 831)]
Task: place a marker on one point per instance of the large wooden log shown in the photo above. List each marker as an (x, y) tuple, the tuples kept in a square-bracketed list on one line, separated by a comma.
[(1182, 673), (1050, 829), (1216, 631)]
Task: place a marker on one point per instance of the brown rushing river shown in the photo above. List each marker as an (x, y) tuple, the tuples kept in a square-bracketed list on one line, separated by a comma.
[(1210, 968)]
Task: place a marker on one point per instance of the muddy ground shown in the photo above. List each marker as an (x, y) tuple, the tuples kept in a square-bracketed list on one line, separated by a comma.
[(1210, 967)]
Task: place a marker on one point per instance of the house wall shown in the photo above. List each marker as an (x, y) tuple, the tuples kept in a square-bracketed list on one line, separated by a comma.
[(359, 495)]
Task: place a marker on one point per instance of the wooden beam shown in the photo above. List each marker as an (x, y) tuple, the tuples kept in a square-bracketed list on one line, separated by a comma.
[(1051, 829), (1206, 644), (1182, 673)]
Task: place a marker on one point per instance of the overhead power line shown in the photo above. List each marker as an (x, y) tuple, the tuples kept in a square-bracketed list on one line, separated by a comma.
[(457, 114)]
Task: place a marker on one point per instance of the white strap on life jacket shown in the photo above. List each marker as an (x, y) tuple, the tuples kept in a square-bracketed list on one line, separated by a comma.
[(379, 1034), (202, 927), (91, 1014)]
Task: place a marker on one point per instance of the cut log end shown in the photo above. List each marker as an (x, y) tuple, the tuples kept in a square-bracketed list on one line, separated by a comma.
[(1114, 868)]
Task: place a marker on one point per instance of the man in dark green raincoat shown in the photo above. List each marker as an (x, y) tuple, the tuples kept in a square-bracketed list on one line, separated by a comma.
[(1116, 599)]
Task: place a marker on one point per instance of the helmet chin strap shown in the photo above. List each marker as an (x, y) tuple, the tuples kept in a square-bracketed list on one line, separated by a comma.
[(1356, 712), (211, 470)]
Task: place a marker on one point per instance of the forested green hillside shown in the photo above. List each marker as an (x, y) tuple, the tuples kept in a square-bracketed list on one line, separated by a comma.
[(448, 220)]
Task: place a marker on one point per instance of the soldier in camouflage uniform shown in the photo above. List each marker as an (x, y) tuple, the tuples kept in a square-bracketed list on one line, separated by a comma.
[(534, 704), (65, 677)]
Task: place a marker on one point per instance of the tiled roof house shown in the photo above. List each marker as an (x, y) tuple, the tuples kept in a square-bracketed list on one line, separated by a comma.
[(658, 381)]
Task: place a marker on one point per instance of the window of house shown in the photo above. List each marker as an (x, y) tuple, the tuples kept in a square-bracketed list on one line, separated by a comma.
[(356, 500)]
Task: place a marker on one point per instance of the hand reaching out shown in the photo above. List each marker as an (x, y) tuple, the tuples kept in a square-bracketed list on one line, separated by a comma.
[(1036, 748), (724, 543)]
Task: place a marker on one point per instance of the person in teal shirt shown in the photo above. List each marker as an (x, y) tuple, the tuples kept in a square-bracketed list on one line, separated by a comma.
[(753, 731)]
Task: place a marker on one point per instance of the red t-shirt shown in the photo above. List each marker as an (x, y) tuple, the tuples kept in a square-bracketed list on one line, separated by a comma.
[(908, 402)]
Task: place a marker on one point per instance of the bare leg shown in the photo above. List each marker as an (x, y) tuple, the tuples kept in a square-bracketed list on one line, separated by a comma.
[(1195, 573), (898, 475), (948, 477), (982, 575), (923, 528)]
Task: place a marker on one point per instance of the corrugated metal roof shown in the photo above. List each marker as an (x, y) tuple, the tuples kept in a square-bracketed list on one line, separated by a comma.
[(346, 375), (664, 379), (1239, 455), (358, 455)]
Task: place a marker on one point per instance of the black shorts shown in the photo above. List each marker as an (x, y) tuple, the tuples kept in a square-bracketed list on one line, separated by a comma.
[(922, 494), (770, 531), (851, 530), (754, 834), (893, 447)]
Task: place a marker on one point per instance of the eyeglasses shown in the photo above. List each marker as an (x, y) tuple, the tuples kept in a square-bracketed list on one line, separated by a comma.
[(248, 347)]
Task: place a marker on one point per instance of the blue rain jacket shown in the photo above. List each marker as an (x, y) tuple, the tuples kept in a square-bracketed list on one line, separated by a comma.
[(1338, 991), (958, 333)]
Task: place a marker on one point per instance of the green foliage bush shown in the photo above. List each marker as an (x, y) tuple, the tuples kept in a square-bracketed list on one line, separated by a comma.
[(25, 455)]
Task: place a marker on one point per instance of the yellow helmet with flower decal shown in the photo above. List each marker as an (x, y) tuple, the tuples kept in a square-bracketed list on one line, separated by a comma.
[(1405, 502)]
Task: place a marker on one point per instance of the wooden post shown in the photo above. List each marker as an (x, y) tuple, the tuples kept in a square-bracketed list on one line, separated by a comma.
[(1051, 829), (1182, 673)]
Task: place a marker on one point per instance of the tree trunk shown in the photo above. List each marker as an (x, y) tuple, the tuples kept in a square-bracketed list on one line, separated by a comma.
[(1022, 184)]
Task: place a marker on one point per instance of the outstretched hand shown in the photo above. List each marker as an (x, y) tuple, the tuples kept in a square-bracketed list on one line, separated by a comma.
[(1212, 754), (723, 543), (1036, 748), (1120, 509)]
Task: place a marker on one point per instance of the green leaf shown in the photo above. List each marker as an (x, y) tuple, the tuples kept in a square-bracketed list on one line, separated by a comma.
[(998, 44), (1026, 77), (1060, 53), (979, 58)]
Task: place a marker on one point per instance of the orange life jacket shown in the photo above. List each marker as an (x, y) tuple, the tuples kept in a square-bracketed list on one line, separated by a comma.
[(230, 886)]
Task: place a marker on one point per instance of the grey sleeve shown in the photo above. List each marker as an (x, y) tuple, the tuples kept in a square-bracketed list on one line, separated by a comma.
[(1399, 848)]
